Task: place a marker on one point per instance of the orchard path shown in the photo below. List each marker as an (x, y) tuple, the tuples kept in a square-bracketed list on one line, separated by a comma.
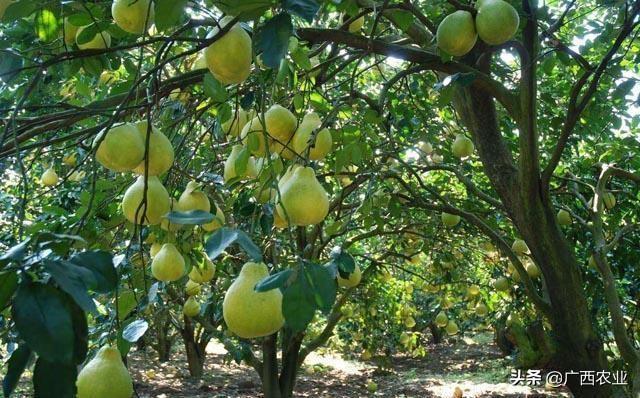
[(474, 365)]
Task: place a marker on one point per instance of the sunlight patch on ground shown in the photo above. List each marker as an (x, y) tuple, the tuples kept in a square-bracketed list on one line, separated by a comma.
[(441, 388)]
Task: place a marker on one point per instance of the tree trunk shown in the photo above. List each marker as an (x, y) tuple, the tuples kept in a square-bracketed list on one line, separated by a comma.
[(164, 341), (269, 376), (196, 353), (436, 333), (290, 351), (579, 347)]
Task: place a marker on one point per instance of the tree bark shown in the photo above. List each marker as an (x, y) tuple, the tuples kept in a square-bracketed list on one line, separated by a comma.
[(579, 346), (269, 376), (196, 353)]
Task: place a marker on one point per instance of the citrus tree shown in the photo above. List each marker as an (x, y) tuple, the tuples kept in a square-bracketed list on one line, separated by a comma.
[(258, 171)]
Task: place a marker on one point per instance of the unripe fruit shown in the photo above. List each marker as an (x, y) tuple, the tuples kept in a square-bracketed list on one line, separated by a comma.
[(229, 58), (121, 149), (425, 147), (519, 247), (609, 200), (451, 328), (230, 171), (133, 16), (254, 131), (280, 123), (193, 199), (303, 201), (501, 284), (192, 288), (496, 22), (481, 310), (70, 159), (441, 319), (161, 154), (100, 41), (456, 33), (156, 206), (191, 307), (473, 290), (353, 279), (248, 313), (436, 158), (155, 248), (372, 386), (450, 220), (203, 274), (533, 270), (234, 126), (462, 147), (215, 223), (564, 217), (105, 376), (49, 178), (168, 264), (69, 32), (409, 322), (356, 25)]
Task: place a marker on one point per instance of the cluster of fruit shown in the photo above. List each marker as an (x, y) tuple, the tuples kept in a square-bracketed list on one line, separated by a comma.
[(496, 22)]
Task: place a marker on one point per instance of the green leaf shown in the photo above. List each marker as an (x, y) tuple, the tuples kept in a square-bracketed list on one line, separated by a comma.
[(214, 89), (298, 304), (192, 217), (323, 284), (403, 18), (8, 285), (46, 25), (80, 333), (135, 330), (242, 160), (44, 321), (15, 367), (19, 9), (274, 281), (101, 264), (245, 9), (54, 379), (168, 13), (91, 31), (273, 39), (344, 261), (74, 280), (306, 9), (225, 237)]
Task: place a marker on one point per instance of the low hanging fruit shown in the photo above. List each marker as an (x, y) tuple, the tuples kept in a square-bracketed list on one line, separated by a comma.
[(451, 328), (203, 273), (216, 223), (230, 167), (441, 319), (248, 313), (191, 307), (167, 225), (303, 201), (462, 147), (456, 33), (496, 21), (564, 217), (356, 25), (254, 137), (100, 41), (161, 154), (519, 247), (234, 126), (353, 280), (154, 249), (481, 310), (193, 199), (450, 220), (156, 206), (302, 139), (105, 376), (49, 178), (280, 123), (168, 264), (501, 284), (133, 16), (192, 288), (532, 270), (121, 148), (229, 58)]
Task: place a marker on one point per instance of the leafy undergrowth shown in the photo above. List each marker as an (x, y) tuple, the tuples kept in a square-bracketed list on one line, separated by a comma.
[(473, 365)]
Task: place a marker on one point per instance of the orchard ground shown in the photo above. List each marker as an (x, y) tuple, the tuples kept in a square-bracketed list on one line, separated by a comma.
[(474, 364)]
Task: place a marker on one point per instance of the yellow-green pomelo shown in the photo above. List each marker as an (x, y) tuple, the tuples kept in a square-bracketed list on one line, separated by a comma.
[(133, 16), (519, 247), (192, 288), (473, 290), (69, 31), (168, 264), (496, 22), (161, 154), (234, 126), (564, 217), (204, 272), (121, 149), (609, 200), (70, 159), (533, 270), (154, 249), (501, 284), (248, 313), (450, 220), (49, 178), (441, 319), (303, 201), (157, 202), (191, 307), (216, 223), (481, 309), (451, 328), (167, 225), (105, 376), (280, 123), (456, 33), (462, 146), (230, 170), (353, 279), (229, 57), (100, 41), (253, 131), (193, 199), (303, 136), (356, 25)]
